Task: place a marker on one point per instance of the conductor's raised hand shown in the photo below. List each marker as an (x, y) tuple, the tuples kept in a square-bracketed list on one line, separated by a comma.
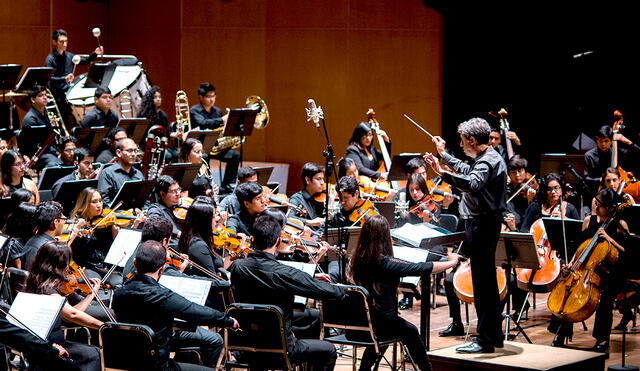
[(434, 163), (440, 144)]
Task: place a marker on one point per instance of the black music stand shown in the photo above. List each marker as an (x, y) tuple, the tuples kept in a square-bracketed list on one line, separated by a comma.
[(134, 194), (516, 250), (91, 138), (263, 173), (69, 191), (386, 209), (50, 175), (183, 173), (36, 136), (34, 76), (572, 231), (240, 124), (556, 162), (398, 166), (136, 128)]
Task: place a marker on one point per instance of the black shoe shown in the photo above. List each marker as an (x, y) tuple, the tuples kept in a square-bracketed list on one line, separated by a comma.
[(499, 343), (601, 347), (405, 303), (454, 329), (622, 326), (441, 291), (475, 347), (558, 341)]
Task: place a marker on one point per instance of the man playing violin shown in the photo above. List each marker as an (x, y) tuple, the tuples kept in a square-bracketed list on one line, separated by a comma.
[(312, 176), (168, 192), (230, 204), (112, 178), (353, 209), (484, 186), (83, 161), (252, 204), (517, 207)]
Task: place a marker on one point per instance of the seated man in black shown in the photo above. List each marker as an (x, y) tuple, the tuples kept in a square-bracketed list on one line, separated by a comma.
[(168, 191), (83, 161), (349, 201), (252, 204), (66, 148), (144, 301), (31, 137), (112, 178), (49, 225), (261, 279), (312, 176), (205, 116), (101, 114), (230, 204), (113, 137), (518, 205)]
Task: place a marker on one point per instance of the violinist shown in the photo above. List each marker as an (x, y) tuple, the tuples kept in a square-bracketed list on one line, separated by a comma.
[(48, 275), (547, 203), (49, 225), (168, 195), (422, 208), (611, 179), (230, 204), (363, 153), (83, 162), (374, 268), (484, 186), (112, 178), (113, 136), (312, 176), (252, 204), (517, 207), (142, 300), (12, 172), (351, 204)]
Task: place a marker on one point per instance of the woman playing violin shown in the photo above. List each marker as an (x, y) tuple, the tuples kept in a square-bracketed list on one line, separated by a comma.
[(547, 203), (421, 207), (363, 153), (48, 275)]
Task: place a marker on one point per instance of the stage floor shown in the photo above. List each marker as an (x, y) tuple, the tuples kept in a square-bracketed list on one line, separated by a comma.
[(537, 331)]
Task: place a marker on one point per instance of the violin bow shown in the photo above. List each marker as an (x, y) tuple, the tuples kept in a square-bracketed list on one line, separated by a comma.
[(361, 216), (113, 211), (95, 294), (521, 188)]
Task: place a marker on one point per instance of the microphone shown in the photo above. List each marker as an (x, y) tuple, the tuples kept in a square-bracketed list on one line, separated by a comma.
[(314, 112)]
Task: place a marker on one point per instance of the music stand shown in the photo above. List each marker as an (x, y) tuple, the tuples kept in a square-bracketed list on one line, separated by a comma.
[(91, 138), (34, 76), (556, 162), (99, 74), (516, 249), (386, 209), (398, 164), (264, 174), (50, 175), (136, 128), (631, 215), (8, 77), (573, 232), (208, 138), (183, 173), (69, 191), (30, 139), (240, 124), (134, 194)]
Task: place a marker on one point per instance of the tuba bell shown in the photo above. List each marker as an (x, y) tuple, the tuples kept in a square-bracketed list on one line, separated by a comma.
[(253, 102)]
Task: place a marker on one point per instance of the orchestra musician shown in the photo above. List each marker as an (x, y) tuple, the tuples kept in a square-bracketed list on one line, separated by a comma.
[(113, 137), (495, 140), (374, 268), (598, 159), (611, 179), (191, 152), (151, 109), (483, 200), (252, 204), (350, 200), (517, 207), (547, 203), (37, 116), (12, 173), (112, 177), (419, 195), (48, 276), (261, 279), (4, 146), (19, 227), (168, 192), (66, 148), (363, 153), (62, 63), (230, 204), (101, 114), (312, 176), (207, 116), (348, 167), (142, 300), (83, 162)]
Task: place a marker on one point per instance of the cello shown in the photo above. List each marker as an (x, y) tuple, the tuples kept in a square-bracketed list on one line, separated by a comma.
[(545, 278)]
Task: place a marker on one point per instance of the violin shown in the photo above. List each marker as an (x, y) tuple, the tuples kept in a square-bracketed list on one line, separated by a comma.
[(426, 203), (180, 210), (363, 210), (321, 197), (226, 239), (122, 219), (374, 189), (72, 284), (280, 199), (439, 189), (175, 259)]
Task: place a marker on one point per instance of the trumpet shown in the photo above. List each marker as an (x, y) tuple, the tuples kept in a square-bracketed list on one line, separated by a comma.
[(183, 121), (54, 116)]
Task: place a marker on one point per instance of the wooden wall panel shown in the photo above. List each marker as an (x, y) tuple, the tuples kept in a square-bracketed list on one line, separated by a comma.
[(224, 14)]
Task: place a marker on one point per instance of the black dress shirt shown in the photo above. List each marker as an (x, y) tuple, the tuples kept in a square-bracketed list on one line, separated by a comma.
[(230, 204), (365, 166), (96, 117), (203, 119), (261, 279), (63, 65), (161, 210), (143, 301), (483, 183), (29, 140), (314, 208), (200, 253), (241, 223), (112, 178), (32, 246), (534, 212), (517, 206)]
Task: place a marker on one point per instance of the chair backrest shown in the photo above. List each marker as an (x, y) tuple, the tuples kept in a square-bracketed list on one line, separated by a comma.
[(263, 335), (17, 281), (125, 346), (350, 313), (449, 222)]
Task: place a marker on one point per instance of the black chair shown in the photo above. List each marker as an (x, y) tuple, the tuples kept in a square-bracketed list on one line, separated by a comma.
[(352, 314), (126, 346), (262, 340), (17, 282)]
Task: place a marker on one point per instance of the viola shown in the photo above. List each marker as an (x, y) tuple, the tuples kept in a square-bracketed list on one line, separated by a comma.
[(545, 278), (439, 189), (224, 238), (180, 210), (122, 219), (321, 197), (362, 211), (72, 284), (280, 199), (426, 203), (463, 284)]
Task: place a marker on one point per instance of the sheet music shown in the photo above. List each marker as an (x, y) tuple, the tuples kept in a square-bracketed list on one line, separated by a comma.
[(37, 312), (190, 288), (413, 255), (123, 247), (3, 240), (414, 233), (310, 269)]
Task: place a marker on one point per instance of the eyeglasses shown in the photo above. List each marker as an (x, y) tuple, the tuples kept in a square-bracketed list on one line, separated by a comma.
[(177, 190), (71, 150), (210, 96), (130, 150), (556, 188), (19, 164), (369, 135)]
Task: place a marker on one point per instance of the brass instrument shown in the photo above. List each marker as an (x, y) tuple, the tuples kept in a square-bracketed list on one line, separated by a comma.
[(262, 120), (126, 109), (154, 152), (183, 121), (54, 116)]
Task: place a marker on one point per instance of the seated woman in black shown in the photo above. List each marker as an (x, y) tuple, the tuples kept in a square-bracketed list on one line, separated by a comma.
[(364, 154), (374, 268), (547, 203), (12, 172), (191, 152), (47, 276), (20, 227)]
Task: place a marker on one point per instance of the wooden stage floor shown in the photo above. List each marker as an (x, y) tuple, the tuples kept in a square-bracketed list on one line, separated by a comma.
[(535, 327)]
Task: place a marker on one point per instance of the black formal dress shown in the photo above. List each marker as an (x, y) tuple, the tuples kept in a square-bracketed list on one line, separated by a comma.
[(365, 165)]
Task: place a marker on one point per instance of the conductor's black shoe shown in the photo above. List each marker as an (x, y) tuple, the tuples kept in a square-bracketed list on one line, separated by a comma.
[(601, 347), (405, 303), (475, 347), (454, 329), (499, 343)]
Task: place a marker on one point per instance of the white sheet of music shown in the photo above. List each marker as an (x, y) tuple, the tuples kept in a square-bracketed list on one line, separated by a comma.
[(3, 240), (37, 312), (310, 269), (190, 288), (410, 254), (414, 233), (123, 247)]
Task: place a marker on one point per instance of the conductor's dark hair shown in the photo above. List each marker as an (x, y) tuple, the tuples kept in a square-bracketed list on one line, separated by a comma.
[(204, 88), (101, 90), (36, 90), (605, 131), (163, 183), (518, 162), (247, 192), (309, 170), (266, 230), (46, 213), (156, 228), (343, 165), (348, 185), (151, 255), (57, 33)]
